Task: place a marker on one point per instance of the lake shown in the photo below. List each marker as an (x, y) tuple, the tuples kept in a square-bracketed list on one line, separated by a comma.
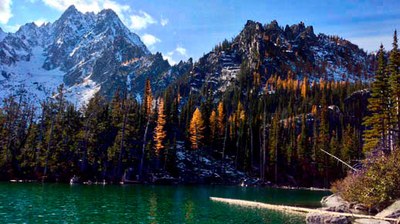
[(62, 203)]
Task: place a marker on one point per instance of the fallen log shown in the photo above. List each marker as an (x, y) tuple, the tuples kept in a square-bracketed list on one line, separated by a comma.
[(295, 210)]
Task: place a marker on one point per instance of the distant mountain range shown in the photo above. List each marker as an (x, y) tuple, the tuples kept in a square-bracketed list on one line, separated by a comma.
[(91, 53)]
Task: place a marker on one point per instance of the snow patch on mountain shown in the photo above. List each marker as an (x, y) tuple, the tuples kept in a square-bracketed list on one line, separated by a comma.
[(29, 77), (84, 52)]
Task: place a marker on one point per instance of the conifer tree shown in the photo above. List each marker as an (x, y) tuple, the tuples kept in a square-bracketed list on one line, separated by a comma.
[(379, 107), (159, 131), (213, 125), (393, 69), (196, 129), (221, 118), (148, 100), (274, 144)]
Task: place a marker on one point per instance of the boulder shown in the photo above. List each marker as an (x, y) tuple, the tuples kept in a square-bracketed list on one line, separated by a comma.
[(335, 203), (319, 218), (393, 211), (360, 209), (370, 221)]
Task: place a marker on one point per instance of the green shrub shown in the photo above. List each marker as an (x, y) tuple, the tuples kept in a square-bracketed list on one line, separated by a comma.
[(377, 185)]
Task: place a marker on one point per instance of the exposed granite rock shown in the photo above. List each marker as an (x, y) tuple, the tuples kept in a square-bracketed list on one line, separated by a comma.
[(318, 218), (370, 221), (335, 203)]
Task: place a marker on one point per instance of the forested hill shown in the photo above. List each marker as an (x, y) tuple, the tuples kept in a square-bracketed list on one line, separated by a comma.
[(291, 52), (275, 135), (261, 106)]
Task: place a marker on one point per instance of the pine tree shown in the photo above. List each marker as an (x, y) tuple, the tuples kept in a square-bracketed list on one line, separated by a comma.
[(196, 129), (303, 146), (394, 76), (159, 131), (379, 107), (274, 137)]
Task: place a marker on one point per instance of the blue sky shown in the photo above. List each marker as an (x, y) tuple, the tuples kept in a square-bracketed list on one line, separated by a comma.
[(189, 28)]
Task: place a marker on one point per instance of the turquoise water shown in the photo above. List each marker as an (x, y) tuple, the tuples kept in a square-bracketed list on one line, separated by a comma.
[(62, 203)]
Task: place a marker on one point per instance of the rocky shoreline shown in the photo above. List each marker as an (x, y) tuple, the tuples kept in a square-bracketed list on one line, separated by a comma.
[(335, 203)]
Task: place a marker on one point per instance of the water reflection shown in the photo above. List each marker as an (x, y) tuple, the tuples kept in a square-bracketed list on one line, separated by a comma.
[(58, 203)]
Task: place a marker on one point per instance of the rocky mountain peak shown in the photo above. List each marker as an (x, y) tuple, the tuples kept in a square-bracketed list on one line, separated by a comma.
[(273, 26), (70, 12), (272, 50), (2, 34), (86, 52)]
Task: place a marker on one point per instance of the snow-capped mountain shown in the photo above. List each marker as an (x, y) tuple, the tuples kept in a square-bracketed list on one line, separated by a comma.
[(91, 53), (269, 49), (86, 52)]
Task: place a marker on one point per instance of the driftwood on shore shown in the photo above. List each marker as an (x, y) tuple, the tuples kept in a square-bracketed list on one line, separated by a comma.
[(296, 210)]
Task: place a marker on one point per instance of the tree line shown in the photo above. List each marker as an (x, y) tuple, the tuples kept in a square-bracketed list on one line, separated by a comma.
[(274, 129)]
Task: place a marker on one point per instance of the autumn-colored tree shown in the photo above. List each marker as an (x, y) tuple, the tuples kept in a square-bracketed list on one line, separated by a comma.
[(159, 131), (220, 118), (304, 87), (147, 100), (196, 129), (213, 124)]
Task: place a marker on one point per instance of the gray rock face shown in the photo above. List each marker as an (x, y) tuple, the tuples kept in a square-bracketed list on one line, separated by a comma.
[(335, 203), (318, 218), (93, 52), (370, 221), (294, 51)]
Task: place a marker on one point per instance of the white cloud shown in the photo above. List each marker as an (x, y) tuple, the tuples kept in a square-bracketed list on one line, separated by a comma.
[(89, 6), (40, 21), (170, 60), (81, 5), (181, 51), (117, 8), (11, 28), (149, 40), (164, 21), (5, 11), (141, 21)]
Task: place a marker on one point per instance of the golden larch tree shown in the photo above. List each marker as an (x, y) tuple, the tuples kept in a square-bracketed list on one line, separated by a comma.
[(196, 129), (159, 131), (304, 87), (220, 118), (213, 124), (147, 100)]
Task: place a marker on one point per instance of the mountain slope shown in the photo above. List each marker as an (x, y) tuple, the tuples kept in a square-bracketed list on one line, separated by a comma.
[(88, 53), (269, 49)]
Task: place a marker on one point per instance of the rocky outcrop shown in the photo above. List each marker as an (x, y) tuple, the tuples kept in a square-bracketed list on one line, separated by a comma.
[(335, 203), (370, 221), (393, 211), (318, 218), (86, 52), (294, 51)]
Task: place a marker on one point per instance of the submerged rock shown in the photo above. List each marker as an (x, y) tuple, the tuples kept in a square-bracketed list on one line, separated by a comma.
[(318, 218)]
